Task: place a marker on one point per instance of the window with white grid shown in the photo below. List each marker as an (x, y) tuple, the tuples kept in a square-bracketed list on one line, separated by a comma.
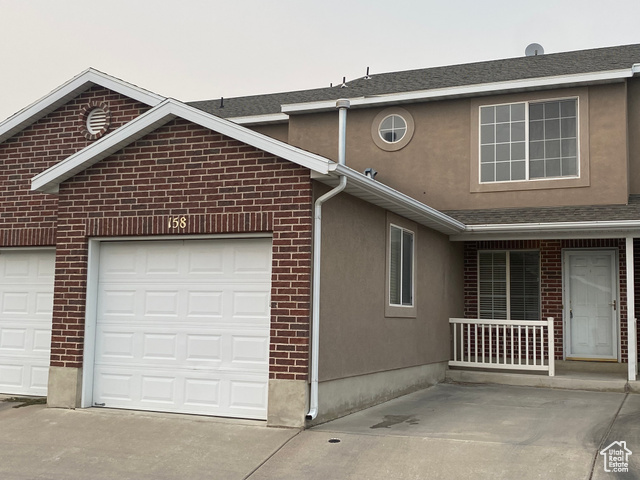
[(529, 140)]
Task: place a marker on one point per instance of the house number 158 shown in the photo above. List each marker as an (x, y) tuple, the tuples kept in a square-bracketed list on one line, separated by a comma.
[(177, 222)]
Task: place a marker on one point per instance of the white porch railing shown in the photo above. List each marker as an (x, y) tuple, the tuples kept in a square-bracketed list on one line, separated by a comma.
[(503, 344)]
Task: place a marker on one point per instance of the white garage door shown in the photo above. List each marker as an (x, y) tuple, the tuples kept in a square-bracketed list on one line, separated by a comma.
[(183, 326), (26, 303)]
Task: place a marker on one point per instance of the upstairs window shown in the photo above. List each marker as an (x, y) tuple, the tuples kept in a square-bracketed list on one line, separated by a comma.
[(528, 141), (509, 285)]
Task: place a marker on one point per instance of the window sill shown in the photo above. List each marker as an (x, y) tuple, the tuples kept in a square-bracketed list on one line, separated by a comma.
[(542, 184), (396, 311)]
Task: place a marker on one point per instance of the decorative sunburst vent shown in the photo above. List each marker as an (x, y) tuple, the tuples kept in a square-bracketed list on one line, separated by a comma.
[(96, 118)]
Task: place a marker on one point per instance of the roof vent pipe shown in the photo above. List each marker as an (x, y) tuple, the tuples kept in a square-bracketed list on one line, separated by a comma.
[(342, 106)]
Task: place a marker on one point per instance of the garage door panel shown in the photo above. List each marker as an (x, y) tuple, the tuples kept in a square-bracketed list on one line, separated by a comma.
[(151, 345), (39, 379), (202, 393), (42, 342), (247, 395), (13, 339), (222, 393), (249, 351), (23, 377), (26, 305), (183, 326), (232, 304), (204, 304)]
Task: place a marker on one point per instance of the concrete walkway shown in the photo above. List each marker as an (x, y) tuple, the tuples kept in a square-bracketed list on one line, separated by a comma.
[(447, 431)]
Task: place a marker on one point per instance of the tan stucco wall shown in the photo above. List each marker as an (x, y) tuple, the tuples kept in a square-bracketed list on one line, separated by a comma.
[(435, 167), (279, 131), (355, 336), (633, 95)]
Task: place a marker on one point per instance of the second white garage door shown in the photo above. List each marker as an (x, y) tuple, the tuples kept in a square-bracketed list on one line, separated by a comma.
[(26, 303), (183, 326)]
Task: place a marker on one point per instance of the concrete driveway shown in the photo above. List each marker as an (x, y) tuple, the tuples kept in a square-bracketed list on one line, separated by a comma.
[(447, 431)]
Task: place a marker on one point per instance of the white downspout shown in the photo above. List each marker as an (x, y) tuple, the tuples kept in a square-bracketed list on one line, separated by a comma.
[(342, 106)]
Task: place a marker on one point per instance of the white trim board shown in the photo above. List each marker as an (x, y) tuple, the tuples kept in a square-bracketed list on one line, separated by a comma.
[(561, 81)]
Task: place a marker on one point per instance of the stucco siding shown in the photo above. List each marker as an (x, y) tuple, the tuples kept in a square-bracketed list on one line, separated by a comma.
[(356, 336), (438, 165)]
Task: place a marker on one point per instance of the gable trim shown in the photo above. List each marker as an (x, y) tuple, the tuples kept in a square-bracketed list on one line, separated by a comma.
[(158, 116), (69, 90)]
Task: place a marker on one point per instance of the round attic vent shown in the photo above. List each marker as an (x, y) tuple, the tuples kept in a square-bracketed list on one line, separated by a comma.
[(95, 120)]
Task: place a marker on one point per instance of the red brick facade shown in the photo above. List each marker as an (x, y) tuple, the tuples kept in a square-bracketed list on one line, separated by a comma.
[(218, 185), (27, 218), (550, 279)]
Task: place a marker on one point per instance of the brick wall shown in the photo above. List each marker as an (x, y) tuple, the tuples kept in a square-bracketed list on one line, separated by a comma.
[(220, 186), (27, 218), (550, 279)]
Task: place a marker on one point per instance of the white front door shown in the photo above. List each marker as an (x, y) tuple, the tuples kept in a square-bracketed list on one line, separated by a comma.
[(591, 304)]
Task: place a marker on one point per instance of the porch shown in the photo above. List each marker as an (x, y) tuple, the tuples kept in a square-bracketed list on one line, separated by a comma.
[(569, 375), (530, 304)]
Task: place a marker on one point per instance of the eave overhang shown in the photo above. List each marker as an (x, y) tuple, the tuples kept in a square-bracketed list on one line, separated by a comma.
[(270, 119), (514, 86), (381, 195), (548, 231)]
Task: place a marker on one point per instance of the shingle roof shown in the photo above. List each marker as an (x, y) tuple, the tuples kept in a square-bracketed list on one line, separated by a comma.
[(580, 213), (581, 61)]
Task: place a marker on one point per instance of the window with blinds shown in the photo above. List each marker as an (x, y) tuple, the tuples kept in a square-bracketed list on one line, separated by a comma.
[(401, 267), (509, 285)]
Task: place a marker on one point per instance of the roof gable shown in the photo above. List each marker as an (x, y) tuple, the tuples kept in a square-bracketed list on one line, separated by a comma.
[(323, 169), (69, 90), (49, 180)]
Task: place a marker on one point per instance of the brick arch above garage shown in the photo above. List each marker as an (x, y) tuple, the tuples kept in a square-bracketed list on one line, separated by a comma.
[(219, 185)]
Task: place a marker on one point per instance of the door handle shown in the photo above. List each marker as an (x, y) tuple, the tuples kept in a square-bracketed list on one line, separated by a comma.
[(614, 304)]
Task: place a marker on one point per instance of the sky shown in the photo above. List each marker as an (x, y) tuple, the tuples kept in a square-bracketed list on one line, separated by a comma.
[(206, 49)]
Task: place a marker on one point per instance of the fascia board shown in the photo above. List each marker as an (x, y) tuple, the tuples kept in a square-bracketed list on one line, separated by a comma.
[(66, 92), (48, 180), (260, 119), (464, 91), (389, 195), (595, 229)]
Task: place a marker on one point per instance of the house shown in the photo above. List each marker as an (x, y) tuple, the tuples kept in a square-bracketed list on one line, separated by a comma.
[(231, 257)]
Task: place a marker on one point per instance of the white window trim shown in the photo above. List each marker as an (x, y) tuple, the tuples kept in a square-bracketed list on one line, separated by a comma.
[(405, 128), (583, 180), (527, 104), (393, 310)]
